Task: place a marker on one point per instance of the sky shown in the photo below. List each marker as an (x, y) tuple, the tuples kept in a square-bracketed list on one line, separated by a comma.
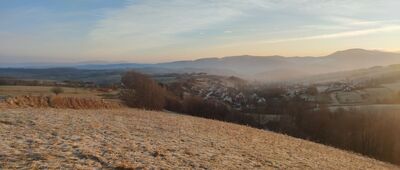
[(151, 31)]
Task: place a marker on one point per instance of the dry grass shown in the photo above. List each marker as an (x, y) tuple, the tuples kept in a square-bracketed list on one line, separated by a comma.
[(129, 138)]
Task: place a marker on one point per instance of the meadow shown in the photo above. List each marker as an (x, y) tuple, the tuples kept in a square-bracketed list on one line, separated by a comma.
[(13, 91)]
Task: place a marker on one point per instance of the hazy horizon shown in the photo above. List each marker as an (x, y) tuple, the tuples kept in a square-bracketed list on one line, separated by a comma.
[(166, 61), (158, 31)]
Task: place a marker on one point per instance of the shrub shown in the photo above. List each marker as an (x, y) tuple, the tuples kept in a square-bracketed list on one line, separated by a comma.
[(57, 90), (196, 106), (173, 103), (139, 90)]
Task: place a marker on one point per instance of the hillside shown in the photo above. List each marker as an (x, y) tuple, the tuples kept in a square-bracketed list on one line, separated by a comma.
[(129, 138), (378, 72)]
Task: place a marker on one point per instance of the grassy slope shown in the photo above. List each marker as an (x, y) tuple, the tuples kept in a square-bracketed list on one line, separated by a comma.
[(80, 139)]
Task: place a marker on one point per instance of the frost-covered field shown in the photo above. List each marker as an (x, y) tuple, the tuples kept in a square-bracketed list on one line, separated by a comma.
[(130, 138)]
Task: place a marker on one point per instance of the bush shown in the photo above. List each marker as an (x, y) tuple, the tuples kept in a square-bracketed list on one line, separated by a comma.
[(57, 90), (141, 91), (196, 106), (173, 103)]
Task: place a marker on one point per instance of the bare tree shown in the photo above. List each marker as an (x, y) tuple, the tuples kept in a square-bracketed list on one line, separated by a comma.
[(139, 90)]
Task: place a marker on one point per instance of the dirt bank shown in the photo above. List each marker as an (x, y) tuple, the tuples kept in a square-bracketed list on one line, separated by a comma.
[(59, 102)]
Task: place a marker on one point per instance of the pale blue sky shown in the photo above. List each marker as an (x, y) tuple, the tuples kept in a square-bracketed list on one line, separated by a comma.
[(160, 30)]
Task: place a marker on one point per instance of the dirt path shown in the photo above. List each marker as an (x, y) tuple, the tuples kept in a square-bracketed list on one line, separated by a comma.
[(335, 101), (129, 138)]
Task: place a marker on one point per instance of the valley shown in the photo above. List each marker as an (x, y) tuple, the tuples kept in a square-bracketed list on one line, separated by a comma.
[(308, 108)]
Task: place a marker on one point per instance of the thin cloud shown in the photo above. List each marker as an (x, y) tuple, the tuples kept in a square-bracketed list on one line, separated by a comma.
[(147, 30), (153, 24), (338, 35)]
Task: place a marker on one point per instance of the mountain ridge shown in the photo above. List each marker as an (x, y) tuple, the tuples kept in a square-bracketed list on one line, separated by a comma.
[(265, 68)]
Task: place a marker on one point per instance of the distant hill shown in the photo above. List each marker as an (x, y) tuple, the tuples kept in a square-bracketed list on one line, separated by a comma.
[(272, 68), (381, 73), (263, 68), (359, 58), (60, 74)]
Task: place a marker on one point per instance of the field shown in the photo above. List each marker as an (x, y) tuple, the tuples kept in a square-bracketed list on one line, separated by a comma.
[(349, 97), (46, 91), (364, 96), (130, 138), (395, 87), (371, 108)]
